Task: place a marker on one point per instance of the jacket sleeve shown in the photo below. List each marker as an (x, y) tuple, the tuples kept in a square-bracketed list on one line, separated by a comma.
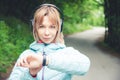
[(21, 73), (70, 61)]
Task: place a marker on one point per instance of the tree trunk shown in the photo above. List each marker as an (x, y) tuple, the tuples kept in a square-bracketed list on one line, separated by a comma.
[(112, 18)]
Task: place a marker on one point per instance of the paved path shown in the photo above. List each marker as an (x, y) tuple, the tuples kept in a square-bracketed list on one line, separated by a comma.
[(104, 66)]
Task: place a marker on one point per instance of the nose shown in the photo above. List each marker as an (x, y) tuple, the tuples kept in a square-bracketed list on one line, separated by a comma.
[(47, 32)]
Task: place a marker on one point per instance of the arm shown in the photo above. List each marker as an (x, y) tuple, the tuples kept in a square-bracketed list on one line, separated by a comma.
[(21, 73), (70, 61)]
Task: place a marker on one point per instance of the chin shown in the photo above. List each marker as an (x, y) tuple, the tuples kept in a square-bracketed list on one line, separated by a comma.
[(47, 42)]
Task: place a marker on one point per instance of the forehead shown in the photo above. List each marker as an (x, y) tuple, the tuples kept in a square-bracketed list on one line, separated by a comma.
[(51, 13), (47, 21)]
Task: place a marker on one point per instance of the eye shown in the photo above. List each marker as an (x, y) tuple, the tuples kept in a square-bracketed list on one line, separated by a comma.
[(53, 26), (40, 26)]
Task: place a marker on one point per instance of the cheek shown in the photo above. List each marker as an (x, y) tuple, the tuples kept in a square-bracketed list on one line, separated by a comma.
[(39, 32), (54, 33)]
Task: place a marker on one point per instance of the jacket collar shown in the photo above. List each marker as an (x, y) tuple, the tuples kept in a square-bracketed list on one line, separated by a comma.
[(39, 46)]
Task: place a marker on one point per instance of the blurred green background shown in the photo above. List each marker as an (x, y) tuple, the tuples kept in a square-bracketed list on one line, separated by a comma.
[(16, 29)]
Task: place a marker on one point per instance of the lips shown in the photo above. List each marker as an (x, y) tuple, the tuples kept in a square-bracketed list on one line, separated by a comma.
[(46, 38)]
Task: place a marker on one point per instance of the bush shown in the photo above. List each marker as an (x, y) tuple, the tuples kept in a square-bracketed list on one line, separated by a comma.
[(3, 40), (15, 37), (70, 28)]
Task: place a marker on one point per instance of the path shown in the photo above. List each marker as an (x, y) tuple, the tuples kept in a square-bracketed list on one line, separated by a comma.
[(104, 66)]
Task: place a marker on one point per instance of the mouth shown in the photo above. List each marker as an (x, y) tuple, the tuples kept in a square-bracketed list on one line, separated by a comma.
[(46, 39)]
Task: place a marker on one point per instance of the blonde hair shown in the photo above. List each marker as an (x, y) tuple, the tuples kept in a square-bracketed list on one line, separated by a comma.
[(54, 16)]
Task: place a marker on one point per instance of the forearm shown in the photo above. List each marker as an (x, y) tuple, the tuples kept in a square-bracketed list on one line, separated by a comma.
[(20, 73), (70, 61)]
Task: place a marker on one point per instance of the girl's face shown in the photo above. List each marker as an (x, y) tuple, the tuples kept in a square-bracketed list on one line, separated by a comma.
[(47, 31)]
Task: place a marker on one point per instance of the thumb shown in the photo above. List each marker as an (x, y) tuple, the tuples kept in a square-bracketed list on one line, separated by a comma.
[(25, 65)]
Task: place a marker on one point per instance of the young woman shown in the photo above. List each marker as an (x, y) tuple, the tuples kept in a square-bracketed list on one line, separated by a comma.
[(48, 58)]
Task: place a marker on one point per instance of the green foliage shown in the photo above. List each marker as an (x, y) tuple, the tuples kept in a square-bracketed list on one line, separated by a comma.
[(15, 37), (73, 28), (80, 15), (3, 39)]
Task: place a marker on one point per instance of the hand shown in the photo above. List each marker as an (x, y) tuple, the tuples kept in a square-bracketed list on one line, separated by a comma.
[(33, 62)]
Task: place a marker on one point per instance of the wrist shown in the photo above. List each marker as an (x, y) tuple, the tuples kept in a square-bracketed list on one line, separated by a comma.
[(45, 60), (33, 75)]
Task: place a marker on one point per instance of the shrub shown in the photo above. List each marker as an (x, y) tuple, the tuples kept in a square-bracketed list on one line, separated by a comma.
[(15, 36)]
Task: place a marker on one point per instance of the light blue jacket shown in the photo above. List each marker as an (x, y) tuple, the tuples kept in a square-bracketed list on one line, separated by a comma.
[(63, 63)]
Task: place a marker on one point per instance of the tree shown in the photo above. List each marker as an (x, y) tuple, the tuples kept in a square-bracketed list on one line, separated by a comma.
[(112, 18)]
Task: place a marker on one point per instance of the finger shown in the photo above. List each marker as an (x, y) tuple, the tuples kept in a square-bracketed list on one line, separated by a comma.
[(25, 65), (25, 60), (18, 63), (22, 61)]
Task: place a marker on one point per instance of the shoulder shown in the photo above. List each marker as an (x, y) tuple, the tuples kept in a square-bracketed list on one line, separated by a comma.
[(35, 46)]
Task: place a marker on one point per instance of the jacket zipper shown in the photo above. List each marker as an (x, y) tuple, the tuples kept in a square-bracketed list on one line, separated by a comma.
[(43, 66)]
